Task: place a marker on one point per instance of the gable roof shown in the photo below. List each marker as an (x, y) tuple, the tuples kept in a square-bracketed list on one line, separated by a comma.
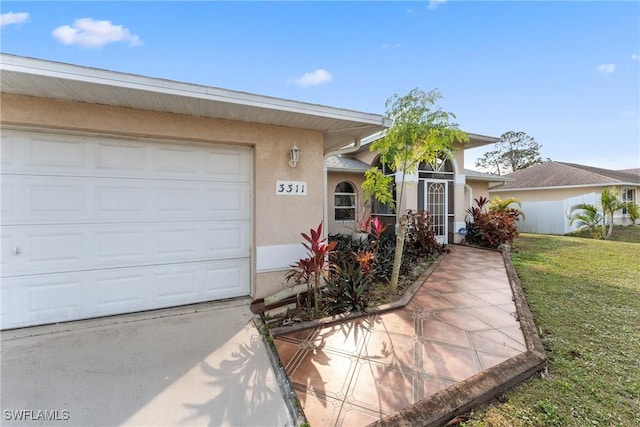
[(47, 79), (560, 174)]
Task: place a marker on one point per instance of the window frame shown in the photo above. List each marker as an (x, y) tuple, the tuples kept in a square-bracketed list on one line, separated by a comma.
[(352, 207), (624, 197)]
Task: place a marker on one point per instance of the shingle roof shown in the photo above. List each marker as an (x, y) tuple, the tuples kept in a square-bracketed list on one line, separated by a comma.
[(631, 171), (560, 174), (346, 164)]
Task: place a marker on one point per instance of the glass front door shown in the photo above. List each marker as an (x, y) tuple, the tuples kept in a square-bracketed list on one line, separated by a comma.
[(436, 202)]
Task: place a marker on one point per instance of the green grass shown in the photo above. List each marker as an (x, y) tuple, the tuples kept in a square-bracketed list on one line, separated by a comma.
[(585, 298), (620, 233)]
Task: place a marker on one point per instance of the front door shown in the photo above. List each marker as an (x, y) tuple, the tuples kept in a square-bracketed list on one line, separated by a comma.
[(436, 203)]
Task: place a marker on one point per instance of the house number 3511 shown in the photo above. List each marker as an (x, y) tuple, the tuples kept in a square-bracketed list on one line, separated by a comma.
[(291, 188)]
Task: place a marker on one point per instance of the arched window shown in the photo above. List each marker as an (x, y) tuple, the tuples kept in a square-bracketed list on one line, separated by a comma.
[(345, 202)]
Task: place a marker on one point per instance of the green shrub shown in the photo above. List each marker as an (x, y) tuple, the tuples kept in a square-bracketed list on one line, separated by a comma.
[(491, 228), (420, 238), (347, 287)]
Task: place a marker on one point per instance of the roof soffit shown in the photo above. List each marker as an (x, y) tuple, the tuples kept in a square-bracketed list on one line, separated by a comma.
[(45, 79)]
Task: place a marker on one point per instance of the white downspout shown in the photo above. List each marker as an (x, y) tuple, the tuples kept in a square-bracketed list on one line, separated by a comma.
[(325, 183)]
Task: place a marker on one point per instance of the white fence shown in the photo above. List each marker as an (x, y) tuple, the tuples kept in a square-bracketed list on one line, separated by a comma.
[(551, 217)]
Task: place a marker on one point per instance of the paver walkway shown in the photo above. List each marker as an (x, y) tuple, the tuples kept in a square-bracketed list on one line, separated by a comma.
[(460, 322)]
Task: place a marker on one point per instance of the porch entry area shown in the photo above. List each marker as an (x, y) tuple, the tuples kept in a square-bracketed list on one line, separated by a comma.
[(435, 194)]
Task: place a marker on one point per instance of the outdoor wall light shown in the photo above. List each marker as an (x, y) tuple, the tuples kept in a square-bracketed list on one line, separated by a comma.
[(294, 154)]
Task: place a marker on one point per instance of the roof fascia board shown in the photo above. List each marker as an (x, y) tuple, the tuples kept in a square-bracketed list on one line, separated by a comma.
[(562, 187), (135, 82), (480, 178)]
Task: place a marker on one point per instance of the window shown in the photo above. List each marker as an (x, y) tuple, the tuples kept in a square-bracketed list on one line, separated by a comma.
[(345, 202), (628, 196)]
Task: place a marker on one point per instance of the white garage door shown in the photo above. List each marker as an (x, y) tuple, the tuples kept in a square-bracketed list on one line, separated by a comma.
[(95, 226)]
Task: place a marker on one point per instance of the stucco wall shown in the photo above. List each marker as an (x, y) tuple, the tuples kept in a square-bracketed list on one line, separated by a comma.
[(478, 189), (278, 220), (333, 179)]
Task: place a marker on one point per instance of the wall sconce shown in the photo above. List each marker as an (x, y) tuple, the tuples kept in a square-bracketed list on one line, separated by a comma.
[(294, 154)]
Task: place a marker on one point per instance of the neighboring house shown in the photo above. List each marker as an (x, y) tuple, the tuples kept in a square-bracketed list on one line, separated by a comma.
[(446, 190), (123, 193), (547, 192)]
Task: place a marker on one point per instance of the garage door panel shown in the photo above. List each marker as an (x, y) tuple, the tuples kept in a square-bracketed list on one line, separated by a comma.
[(181, 241), (7, 200), (176, 160), (38, 301), (44, 152), (228, 165), (69, 296), (223, 280), (58, 154), (228, 239), (66, 248), (228, 201), (7, 142), (32, 199), (177, 285), (120, 246), (176, 200), (122, 290), (48, 250), (119, 201), (113, 156), (55, 199), (96, 226)]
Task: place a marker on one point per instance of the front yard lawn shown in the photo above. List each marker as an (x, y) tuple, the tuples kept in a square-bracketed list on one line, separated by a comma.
[(621, 233), (585, 299)]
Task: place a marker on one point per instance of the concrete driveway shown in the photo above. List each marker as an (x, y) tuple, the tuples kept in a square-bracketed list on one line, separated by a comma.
[(203, 365)]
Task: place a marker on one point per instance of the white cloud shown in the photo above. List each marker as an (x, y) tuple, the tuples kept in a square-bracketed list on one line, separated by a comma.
[(88, 32), (13, 18), (635, 57), (314, 78), (390, 45), (629, 113), (433, 4), (606, 68)]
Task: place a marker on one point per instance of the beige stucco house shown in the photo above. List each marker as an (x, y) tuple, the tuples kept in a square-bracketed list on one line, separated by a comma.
[(123, 193), (548, 191), (446, 190)]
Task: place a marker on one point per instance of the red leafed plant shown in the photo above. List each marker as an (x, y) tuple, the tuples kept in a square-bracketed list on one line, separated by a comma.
[(378, 227), (312, 269)]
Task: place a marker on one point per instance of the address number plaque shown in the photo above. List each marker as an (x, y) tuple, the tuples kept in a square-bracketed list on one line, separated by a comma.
[(291, 188)]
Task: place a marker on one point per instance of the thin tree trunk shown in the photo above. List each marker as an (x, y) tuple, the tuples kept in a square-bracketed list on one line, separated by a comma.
[(610, 232), (397, 259)]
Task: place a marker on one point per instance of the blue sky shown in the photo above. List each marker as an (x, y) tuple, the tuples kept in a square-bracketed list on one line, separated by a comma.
[(566, 73)]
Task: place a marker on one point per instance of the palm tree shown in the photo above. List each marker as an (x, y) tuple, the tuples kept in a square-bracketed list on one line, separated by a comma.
[(504, 206), (587, 217), (633, 210), (610, 205)]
